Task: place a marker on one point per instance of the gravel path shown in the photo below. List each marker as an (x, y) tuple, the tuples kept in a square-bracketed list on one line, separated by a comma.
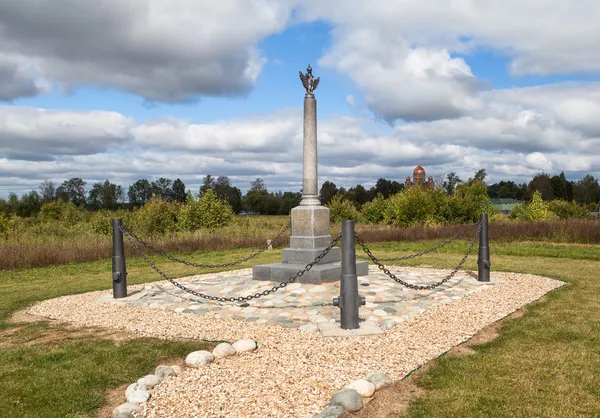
[(294, 373)]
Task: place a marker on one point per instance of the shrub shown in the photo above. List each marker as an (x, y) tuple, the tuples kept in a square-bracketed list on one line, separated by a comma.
[(3, 223), (71, 214), (49, 212), (536, 210), (469, 202), (417, 206), (374, 211), (568, 210), (341, 209), (210, 211), (157, 217)]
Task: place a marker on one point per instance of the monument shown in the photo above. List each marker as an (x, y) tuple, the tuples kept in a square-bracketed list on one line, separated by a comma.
[(310, 221)]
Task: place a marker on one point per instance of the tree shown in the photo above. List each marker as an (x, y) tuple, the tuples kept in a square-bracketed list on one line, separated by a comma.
[(543, 184), (386, 188), (559, 186), (208, 183), (289, 201), (480, 176), (29, 205), (106, 195), (139, 192), (47, 191), (179, 194), (438, 181), (570, 195), (357, 195), (397, 187), (328, 190), (258, 185), (162, 188), (72, 190), (505, 190), (256, 198), (232, 195), (452, 181), (587, 190)]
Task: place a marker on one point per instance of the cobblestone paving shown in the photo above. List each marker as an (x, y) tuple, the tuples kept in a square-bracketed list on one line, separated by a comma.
[(300, 304)]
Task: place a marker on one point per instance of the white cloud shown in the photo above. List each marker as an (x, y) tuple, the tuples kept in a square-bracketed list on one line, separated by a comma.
[(20, 79), (402, 82), (37, 134), (400, 54), (350, 100), (510, 138), (159, 49), (265, 133)]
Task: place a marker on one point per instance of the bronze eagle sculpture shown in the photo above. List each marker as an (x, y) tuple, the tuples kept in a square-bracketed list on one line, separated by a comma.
[(308, 81)]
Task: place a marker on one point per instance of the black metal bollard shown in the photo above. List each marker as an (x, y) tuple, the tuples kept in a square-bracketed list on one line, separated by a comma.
[(483, 262), (349, 301), (119, 273)]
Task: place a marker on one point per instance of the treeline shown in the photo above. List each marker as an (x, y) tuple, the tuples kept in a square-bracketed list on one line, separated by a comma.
[(585, 191), (109, 196)]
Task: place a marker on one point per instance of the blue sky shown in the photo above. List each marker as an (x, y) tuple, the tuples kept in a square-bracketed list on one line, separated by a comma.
[(459, 90)]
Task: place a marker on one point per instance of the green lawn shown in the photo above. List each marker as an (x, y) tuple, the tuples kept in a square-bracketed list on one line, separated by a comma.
[(546, 363)]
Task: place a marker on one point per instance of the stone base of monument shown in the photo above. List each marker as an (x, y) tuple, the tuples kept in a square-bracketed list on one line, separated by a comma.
[(310, 236), (320, 273)]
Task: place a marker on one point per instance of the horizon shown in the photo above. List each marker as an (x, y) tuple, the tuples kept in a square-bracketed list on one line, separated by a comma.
[(126, 90)]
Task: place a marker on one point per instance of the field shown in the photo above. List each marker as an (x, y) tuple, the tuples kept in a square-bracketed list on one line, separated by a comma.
[(545, 363), (57, 243)]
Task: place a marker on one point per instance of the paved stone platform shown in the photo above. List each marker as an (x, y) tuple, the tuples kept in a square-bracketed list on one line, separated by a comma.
[(300, 304)]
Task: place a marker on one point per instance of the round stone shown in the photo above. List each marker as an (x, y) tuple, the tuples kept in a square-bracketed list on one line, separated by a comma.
[(349, 399), (380, 380), (363, 387), (126, 410), (199, 358), (224, 350), (331, 412), (134, 394), (163, 371), (245, 345), (176, 369), (149, 381)]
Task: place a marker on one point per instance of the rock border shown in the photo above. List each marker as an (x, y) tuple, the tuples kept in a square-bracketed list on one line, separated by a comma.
[(137, 394), (351, 398)]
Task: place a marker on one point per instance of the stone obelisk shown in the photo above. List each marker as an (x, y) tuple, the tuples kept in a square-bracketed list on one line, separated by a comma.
[(310, 221)]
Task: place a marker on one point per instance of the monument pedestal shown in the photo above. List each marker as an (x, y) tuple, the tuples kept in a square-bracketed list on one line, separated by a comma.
[(310, 237), (310, 220)]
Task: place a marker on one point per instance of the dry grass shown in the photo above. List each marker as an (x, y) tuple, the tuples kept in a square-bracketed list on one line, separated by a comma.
[(25, 251)]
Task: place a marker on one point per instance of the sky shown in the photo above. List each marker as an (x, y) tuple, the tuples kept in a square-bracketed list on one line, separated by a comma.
[(130, 89)]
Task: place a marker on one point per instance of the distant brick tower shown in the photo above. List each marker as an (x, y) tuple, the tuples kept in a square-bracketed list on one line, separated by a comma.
[(419, 175), (418, 179)]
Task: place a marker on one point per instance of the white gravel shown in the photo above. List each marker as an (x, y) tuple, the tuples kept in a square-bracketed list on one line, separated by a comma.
[(294, 373)]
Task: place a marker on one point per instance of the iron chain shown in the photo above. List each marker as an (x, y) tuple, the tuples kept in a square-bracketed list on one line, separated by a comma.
[(414, 286), (189, 263), (238, 298), (437, 247)]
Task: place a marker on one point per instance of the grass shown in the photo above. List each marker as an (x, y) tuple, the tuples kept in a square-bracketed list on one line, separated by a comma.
[(49, 370), (56, 243), (546, 363)]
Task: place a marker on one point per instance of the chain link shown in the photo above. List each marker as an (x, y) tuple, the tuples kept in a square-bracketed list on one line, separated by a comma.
[(414, 286), (437, 247), (274, 289), (189, 263)]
